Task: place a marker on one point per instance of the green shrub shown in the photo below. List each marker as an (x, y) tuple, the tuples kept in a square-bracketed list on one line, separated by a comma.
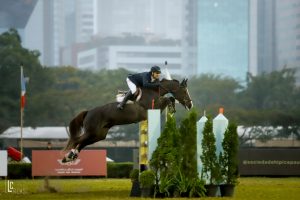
[(174, 160), (229, 158), (134, 175), (119, 170), (188, 135), (211, 167), (147, 179), (19, 170)]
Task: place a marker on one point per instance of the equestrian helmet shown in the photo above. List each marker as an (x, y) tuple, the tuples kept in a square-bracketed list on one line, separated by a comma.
[(155, 69)]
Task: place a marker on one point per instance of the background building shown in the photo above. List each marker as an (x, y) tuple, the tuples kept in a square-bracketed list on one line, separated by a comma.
[(223, 38), (274, 35), (228, 38)]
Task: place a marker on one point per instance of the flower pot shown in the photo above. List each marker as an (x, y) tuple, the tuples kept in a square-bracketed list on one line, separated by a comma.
[(135, 189), (147, 192), (211, 190), (227, 190)]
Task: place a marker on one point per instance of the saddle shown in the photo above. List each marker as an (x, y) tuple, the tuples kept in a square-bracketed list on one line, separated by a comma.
[(121, 94)]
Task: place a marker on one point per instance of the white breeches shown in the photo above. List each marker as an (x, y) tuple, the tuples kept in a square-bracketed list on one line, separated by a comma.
[(131, 85)]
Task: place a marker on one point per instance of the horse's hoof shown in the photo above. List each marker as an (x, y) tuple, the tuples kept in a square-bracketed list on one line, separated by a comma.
[(74, 157), (71, 156), (64, 160)]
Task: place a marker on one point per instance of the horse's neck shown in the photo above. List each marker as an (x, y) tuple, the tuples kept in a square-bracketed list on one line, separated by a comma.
[(149, 97), (150, 94), (166, 87)]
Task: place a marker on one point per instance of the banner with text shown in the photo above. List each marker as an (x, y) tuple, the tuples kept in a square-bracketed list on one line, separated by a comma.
[(269, 162), (49, 163)]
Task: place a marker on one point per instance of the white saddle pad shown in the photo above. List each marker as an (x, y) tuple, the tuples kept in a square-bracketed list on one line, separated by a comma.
[(121, 94)]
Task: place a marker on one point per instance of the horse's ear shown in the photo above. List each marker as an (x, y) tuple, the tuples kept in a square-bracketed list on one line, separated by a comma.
[(183, 83)]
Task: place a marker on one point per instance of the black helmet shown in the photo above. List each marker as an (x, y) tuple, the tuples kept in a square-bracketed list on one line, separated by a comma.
[(155, 69)]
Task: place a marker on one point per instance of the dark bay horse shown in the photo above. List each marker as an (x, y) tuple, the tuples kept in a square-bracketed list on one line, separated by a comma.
[(92, 126)]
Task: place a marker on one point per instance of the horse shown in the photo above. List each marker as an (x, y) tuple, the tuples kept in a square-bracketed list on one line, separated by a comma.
[(96, 122)]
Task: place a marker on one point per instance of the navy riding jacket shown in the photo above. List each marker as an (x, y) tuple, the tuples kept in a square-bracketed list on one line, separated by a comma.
[(143, 80)]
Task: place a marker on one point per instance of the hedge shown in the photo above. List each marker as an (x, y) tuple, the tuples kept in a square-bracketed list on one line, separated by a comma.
[(114, 170)]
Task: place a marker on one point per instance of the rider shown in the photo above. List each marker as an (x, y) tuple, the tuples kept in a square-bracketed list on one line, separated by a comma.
[(143, 80)]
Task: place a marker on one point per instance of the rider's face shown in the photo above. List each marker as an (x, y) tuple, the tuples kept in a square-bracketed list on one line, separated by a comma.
[(155, 75)]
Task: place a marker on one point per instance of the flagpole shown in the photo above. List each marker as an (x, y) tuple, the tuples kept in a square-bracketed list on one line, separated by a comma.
[(21, 114), (21, 142)]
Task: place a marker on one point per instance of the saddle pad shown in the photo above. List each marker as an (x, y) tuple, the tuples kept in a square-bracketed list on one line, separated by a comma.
[(121, 94)]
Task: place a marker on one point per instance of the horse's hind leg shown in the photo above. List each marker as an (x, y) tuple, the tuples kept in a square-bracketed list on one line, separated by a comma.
[(86, 139), (83, 141)]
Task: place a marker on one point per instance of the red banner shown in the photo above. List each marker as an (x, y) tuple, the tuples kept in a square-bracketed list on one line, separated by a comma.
[(49, 163)]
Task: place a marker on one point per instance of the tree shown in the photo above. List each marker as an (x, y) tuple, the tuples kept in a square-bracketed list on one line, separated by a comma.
[(276, 90), (211, 170), (12, 56), (211, 91), (188, 138), (166, 158), (229, 157)]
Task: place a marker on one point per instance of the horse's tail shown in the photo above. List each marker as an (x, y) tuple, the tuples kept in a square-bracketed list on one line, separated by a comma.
[(75, 129)]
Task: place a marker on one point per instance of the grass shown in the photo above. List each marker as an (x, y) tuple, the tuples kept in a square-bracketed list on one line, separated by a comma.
[(248, 188)]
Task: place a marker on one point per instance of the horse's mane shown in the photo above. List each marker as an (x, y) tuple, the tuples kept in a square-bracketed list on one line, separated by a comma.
[(164, 80)]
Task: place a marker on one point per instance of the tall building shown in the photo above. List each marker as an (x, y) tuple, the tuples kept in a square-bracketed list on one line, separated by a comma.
[(274, 36), (85, 19), (262, 37), (223, 38), (49, 29), (189, 37), (161, 18), (15, 14), (287, 29)]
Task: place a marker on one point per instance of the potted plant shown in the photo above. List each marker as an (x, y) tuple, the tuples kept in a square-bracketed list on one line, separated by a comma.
[(147, 179), (211, 169), (166, 158), (135, 189), (229, 160)]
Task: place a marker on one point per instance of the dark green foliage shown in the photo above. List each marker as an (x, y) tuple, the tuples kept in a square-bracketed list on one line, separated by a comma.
[(147, 179), (19, 171), (134, 175), (229, 157), (119, 170), (174, 159), (188, 135), (166, 158), (209, 159)]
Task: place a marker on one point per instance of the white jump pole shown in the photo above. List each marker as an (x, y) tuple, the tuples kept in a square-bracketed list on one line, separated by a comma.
[(149, 133)]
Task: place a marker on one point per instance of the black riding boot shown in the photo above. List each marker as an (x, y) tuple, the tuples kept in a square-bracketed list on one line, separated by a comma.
[(126, 98)]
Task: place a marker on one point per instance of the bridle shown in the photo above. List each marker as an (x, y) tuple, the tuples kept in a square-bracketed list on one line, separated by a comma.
[(185, 100)]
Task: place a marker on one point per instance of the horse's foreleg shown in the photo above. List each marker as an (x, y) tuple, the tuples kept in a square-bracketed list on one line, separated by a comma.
[(72, 155)]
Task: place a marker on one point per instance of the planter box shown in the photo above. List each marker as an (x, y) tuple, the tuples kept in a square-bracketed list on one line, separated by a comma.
[(147, 192), (227, 190), (135, 189), (211, 190)]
